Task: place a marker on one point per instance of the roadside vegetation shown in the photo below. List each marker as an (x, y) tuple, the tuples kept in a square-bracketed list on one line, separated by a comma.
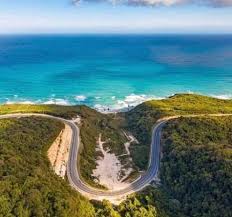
[(141, 119), (56, 110), (28, 186), (93, 123), (151, 202), (196, 167)]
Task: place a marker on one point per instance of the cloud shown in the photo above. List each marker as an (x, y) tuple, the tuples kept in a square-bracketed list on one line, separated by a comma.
[(213, 3), (210, 3), (155, 2)]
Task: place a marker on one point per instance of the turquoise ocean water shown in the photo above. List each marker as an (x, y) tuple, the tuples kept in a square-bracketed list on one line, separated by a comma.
[(112, 70)]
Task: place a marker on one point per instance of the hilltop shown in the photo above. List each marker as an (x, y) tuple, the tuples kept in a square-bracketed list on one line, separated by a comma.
[(141, 119)]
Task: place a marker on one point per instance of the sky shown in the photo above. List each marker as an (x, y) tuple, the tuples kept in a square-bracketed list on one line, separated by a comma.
[(115, 16)]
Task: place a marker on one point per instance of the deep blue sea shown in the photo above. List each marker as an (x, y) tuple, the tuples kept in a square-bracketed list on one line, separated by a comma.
[(112, 70)]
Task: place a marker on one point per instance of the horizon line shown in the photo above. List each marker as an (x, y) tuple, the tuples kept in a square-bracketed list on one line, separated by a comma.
[(114, 33)]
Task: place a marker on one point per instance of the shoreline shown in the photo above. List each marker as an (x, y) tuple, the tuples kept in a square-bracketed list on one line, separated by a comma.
[(118, 105)]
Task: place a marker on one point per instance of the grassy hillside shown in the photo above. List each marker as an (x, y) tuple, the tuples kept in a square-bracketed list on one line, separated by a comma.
[(141, 119), (56, 110), (28, 186), (93, 123), (197, 165)]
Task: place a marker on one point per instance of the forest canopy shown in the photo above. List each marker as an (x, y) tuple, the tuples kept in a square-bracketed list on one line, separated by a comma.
[(197, 165)]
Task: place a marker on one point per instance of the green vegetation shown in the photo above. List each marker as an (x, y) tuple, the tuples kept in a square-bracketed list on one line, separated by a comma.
[(56, 110), (130, 208), (149, 203), (28, 186), (196, 169), (93, 123), (154, 200), (141, 119), (197, 165)]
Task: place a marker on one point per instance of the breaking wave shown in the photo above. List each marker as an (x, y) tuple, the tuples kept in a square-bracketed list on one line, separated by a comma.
[(223, 96), (125, 104), (111, 104)]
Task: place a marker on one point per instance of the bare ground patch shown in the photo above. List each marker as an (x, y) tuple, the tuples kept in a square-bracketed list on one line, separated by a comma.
[(112, 170), (59, 151)]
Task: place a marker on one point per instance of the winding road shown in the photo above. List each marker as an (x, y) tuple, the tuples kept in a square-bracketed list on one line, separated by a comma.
[(92, 193)]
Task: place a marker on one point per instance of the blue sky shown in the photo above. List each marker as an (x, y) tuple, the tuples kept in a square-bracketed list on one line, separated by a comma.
[(146, 16)]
